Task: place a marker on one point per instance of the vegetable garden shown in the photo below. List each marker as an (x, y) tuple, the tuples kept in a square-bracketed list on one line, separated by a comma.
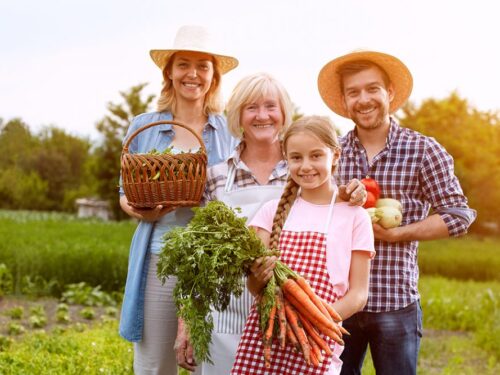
[(61, 281)]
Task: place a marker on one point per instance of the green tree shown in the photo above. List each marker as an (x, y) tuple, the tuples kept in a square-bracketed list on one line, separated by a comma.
[(472, 137), (113, 127)]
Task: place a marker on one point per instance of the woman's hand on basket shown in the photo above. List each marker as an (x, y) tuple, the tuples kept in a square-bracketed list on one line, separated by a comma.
[(260, 273), (152, 214), (146, 214), (183, 349)]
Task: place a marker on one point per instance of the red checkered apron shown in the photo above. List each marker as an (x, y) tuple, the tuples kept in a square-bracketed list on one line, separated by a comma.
[(305, 253)]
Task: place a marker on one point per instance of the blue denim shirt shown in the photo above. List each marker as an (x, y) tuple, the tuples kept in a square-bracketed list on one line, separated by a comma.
[(219, 144)]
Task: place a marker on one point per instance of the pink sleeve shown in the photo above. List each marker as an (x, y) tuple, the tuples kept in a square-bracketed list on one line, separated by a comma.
[(265, 216), (362, 236)]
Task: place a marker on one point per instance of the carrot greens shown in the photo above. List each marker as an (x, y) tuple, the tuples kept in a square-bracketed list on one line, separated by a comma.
[(209, 257)]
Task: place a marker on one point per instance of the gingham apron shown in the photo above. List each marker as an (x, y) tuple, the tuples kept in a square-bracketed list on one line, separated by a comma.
[(305, 253), (229, 324)]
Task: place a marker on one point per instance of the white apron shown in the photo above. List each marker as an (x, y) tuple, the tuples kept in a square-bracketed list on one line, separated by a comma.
[(229, 324)]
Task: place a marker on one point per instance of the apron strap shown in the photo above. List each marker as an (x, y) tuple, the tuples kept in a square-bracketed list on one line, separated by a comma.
[(231, 174), (330, 210)]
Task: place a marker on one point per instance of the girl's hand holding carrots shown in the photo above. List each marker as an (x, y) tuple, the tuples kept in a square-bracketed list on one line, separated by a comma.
[(261, 272)]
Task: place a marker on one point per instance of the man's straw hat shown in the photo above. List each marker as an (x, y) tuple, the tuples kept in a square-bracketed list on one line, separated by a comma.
[(329, 81), (194, 39)]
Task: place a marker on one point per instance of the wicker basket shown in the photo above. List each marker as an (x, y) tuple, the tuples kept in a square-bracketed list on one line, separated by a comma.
[(150, 180)]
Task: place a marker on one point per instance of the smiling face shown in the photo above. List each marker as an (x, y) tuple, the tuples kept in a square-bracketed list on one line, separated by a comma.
[(262, 119), (310, 162), (367, 98), (191, 74)]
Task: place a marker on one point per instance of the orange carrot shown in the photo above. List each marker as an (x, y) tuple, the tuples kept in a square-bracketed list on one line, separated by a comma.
[(344, 331), (313, 334), (281, 317), (315, 350), (304, 303), (268, 337), (306, 287), (292, 339), (314, 358), (294, 322), (319, 325), (335, 315)]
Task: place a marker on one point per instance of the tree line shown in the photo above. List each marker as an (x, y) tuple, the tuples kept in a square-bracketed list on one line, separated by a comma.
[(50, 169)]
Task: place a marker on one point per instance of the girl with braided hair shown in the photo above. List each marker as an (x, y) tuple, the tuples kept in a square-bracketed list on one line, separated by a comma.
[(319, 236)]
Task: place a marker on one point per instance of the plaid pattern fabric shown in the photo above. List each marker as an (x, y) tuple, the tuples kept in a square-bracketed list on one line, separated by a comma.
[(305, 253), (217, 176), (417, 171)]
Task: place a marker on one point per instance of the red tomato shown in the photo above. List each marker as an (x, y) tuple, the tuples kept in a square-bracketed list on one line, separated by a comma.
[(370, 200), (371, 186)]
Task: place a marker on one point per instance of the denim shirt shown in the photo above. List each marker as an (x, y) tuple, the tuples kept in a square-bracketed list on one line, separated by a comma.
[(219, 144)]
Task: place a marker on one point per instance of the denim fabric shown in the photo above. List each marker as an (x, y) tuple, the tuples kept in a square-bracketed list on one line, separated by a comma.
[(219, 144), (394, 339)]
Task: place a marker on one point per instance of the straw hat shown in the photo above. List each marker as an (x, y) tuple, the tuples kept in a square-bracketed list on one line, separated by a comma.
[(194, 39), (329, 80)]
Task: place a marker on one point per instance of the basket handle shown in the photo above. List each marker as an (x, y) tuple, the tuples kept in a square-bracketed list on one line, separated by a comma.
[(132, 136)]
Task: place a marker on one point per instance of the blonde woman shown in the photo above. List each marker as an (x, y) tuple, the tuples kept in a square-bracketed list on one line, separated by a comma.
[(191, 95)]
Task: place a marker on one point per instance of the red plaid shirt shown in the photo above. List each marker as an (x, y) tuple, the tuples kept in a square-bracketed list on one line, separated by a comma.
[(417, 171)]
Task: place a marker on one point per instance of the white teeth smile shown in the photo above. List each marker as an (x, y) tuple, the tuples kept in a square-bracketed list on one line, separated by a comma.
[(263, 126), (191, 85), (366, 111)]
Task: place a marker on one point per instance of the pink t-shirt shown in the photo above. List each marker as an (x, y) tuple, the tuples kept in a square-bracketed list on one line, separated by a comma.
[(350, 229)]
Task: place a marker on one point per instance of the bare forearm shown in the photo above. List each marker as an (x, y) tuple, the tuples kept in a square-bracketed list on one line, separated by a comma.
[(350, 304), (431, 228)]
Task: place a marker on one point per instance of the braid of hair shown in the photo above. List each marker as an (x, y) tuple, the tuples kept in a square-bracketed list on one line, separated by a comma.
[(284, 205)]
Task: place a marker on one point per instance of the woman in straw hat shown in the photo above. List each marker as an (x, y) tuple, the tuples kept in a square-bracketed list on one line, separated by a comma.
[(368, 87), (191, 95)]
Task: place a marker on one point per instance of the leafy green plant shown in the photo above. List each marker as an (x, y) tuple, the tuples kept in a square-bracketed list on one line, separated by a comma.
[(15, 329), (15, 312), (5, 342), (62, 317), (37, 321), (84, 294), (87, 313), (37, 286), (62, 307), (6, 283)]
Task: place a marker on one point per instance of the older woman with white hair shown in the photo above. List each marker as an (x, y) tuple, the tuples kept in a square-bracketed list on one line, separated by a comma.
[(190, 95)]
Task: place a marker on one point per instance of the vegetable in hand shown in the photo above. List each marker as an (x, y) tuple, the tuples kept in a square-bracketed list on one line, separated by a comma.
[(209, 257)]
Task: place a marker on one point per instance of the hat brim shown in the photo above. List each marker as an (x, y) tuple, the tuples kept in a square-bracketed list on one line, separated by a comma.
[(224, 63), (329, 81)]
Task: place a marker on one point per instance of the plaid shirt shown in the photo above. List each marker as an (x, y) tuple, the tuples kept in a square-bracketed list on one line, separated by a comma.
[(217, 176), (417, 171)]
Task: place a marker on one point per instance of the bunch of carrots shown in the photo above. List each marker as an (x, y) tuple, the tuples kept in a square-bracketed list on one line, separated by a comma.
[(291, 312)]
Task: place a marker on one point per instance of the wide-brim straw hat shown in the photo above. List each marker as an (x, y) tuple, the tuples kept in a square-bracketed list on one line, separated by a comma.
[(329, 80), (193, 39)]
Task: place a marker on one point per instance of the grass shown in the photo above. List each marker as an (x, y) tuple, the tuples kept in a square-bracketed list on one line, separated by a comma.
[(468, 258), (59, 248)]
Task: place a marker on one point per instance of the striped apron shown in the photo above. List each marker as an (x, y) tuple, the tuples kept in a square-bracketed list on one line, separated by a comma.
[(229, 324), (305, 253)]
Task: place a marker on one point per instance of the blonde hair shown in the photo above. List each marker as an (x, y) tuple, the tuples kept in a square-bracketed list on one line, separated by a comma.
[(213, 99), (322, 128), (250, 89)]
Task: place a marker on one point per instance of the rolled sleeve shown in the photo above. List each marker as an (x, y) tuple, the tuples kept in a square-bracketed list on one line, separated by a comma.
[(442, 189)]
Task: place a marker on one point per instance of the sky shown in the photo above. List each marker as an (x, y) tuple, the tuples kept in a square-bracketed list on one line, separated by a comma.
[(63, 61)]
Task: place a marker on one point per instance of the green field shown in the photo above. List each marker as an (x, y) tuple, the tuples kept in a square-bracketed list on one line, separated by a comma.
[(45, 253)]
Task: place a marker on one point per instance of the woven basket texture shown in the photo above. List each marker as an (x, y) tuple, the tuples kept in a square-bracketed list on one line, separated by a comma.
[(150, 180)]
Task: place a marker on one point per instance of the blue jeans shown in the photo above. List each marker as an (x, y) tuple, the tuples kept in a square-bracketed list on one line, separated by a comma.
[(394, 339)]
